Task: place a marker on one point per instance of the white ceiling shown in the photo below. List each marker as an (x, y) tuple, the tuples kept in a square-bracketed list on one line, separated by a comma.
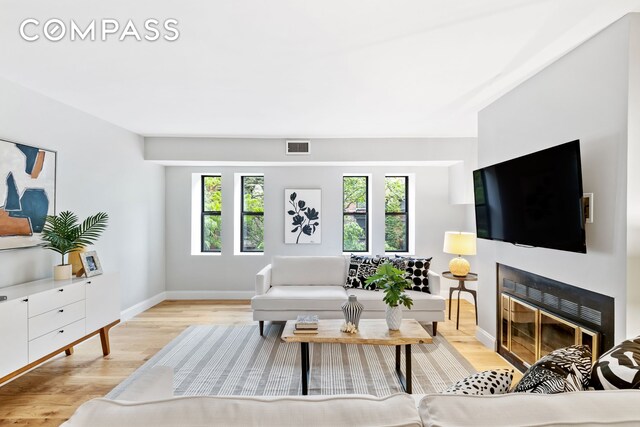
[(299, 68)]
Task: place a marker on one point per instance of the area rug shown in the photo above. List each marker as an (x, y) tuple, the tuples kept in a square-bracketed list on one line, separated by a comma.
[(236, 360)]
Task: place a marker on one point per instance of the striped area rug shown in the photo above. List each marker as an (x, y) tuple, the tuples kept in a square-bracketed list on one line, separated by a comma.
[(235, 360)]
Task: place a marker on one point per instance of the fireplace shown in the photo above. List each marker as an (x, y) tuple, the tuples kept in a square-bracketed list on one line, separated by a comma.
[(537, 315)]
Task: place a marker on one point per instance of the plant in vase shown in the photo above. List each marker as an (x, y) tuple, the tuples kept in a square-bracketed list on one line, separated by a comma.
[(393, 282), (63, 234)]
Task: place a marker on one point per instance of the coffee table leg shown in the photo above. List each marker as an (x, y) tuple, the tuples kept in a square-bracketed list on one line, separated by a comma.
[(407, 355), (304, 348), (398, 348)]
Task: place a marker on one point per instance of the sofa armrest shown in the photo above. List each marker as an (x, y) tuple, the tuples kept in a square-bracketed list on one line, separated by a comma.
[(154, 384), (263, 280), (434, 283)]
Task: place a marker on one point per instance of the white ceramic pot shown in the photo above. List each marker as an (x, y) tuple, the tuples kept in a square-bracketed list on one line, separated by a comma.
[(394, 317), (62, 272)]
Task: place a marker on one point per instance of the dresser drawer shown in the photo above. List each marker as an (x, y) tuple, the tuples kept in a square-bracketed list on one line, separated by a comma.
[(52, 320), (55, 340), (55, 298)]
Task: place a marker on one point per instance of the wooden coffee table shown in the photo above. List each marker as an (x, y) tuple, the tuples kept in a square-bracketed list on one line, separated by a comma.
[(370, 332)]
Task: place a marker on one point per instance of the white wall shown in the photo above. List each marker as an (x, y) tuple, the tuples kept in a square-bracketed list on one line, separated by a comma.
[(100, 167), (581, 96), (229, 276)]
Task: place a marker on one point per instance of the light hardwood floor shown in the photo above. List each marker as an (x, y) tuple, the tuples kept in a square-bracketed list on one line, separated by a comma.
[(49, 394)]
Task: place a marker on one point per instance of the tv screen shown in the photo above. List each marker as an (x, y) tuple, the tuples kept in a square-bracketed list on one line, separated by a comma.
[(533, 200)]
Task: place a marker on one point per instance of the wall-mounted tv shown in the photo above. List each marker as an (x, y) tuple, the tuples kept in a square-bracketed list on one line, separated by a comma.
[(533, 200)]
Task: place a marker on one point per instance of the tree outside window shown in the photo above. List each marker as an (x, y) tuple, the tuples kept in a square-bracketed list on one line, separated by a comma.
[(355, 236), (252, 221), (211, 240), (396, 220)]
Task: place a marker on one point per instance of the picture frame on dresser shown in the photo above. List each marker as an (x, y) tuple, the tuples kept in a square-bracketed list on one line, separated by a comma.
[(91, 263)]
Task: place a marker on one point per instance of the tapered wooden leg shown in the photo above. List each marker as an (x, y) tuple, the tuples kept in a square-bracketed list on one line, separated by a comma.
[(435, 328), (69, 351), (261, 322), (104, 339)]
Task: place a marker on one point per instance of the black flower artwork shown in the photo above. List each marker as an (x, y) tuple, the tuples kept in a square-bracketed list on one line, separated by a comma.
[(305, 219)]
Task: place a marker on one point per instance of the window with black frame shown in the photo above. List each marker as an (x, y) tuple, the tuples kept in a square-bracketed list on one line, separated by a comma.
[(211, 219), (252, 214), (396, 214), (355, 191)]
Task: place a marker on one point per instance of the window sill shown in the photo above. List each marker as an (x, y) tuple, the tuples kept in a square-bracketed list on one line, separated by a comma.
[(206, 253), (248, 254)]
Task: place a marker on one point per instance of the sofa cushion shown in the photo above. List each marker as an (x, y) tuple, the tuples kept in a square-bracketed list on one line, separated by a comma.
[(301, 298), (360, 268), (353, 410), (307, 270), (618, 368), (496, 381), (583, 408), (417, 272), (372, 301), (562, 370)]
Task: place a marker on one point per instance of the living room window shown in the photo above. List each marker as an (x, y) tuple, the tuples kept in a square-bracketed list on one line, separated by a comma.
[(355, 223), (211, 217), (396, 213), (252, 214)]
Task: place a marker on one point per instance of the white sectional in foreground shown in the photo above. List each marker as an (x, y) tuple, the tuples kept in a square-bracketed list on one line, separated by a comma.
[(293, 285)]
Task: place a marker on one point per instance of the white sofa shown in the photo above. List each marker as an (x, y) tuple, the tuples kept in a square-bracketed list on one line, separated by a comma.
[(149, 402), (293, 285)]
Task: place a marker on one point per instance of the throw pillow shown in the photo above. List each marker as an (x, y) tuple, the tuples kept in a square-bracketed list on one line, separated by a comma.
[(565, 369), (496, 381), (360, 268), (619, 368), (417, 272)]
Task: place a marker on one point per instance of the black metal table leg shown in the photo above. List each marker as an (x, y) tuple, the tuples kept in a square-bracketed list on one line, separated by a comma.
[(458, 313), (405, 381), (304, 349), (398, 354)]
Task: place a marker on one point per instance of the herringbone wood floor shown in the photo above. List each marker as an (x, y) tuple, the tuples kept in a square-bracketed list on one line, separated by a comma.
[(49, 394)]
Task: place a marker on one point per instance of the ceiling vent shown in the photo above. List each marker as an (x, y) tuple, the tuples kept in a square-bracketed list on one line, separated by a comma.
[(298, 147)]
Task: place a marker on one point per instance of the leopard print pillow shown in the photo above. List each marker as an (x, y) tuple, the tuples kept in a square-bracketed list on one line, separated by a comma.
[(496, 381)]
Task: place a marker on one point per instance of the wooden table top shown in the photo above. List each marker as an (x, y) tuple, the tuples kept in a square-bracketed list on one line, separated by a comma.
[(370, 331)]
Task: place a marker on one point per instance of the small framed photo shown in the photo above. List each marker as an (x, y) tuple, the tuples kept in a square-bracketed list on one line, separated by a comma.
[(91, 263)]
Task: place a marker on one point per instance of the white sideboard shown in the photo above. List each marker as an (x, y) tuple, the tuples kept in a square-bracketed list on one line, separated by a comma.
[(43, 318)]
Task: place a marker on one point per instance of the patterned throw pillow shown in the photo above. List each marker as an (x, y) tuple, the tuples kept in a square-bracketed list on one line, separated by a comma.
[(417, 272), (619, 368), (565, 369), (360, 268), (496, 381)]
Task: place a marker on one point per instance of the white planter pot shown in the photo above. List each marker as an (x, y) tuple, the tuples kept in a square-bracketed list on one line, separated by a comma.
[(394, 317), (62, 272)]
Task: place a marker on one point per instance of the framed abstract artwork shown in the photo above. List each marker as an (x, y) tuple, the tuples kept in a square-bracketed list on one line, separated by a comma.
[(302, 219), (27, 193)]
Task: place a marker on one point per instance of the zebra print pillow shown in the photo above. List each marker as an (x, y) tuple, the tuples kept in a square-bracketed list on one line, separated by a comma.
[(496, 381), (619, 368), (565, 369)]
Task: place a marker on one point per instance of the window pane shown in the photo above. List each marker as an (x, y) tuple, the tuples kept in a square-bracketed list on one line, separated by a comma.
[(355, 233), (211, 241), (395, 194), (355, 194), (253, 233), (395, 233), (253, 193), (212, 196)]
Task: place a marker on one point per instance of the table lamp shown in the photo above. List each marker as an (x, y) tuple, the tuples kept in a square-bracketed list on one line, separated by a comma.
[(459, 243)]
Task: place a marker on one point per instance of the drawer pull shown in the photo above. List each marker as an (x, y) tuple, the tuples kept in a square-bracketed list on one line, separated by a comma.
[(61, 311), (89, 282), (60, 290), (25, 300), (61, 331)]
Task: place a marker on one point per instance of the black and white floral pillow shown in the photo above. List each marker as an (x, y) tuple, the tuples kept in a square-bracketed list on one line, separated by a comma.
[(417, 272), (496, 381), (360, 268), (562, 370), (619, 368)]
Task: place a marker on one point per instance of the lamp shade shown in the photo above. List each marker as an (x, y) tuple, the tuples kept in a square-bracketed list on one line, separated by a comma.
[(459, 243)]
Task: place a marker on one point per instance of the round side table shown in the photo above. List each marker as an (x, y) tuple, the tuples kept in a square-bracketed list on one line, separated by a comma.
[(471, 277)]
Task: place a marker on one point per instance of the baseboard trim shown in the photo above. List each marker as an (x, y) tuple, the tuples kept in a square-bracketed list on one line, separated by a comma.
[(486, 338), (178, 295), (138, 308)]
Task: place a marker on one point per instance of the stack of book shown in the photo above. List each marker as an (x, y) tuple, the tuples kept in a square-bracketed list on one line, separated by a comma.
[(306, 324)]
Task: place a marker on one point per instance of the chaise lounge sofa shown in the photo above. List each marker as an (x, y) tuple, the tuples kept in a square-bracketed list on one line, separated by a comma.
[(294, 285)]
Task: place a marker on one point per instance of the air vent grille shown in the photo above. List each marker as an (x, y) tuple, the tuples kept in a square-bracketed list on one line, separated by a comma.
[(297, 148), (591, 315)]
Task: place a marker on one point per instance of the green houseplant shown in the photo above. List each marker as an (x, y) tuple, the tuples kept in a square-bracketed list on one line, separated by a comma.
[(393, 282), (63, 234)]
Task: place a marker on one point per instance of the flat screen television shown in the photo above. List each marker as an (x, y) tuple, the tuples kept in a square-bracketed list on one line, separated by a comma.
[(533, 200)]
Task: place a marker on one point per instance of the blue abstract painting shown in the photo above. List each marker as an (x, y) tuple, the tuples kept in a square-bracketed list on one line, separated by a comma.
[(27, 193)]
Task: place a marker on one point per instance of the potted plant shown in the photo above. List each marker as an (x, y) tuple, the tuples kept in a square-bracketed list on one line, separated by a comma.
[(393, 282), (63, 234)]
